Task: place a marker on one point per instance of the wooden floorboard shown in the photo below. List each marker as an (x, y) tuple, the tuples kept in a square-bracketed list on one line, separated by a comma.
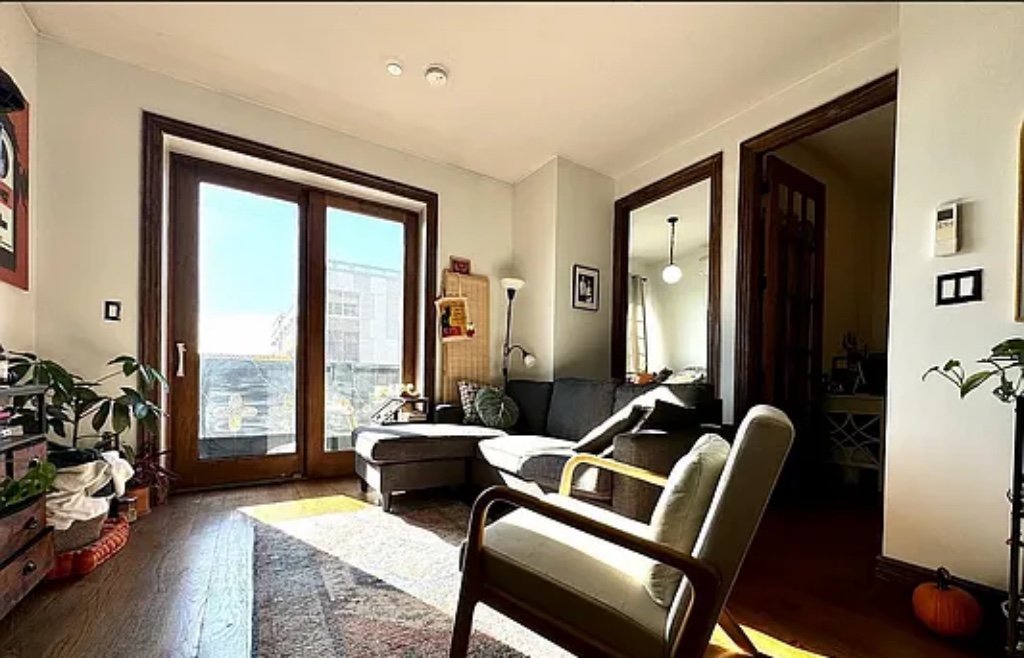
[(183, 587)]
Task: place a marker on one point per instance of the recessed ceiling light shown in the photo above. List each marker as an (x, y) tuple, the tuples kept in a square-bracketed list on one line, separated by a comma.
[(436, 75), (394, 68)]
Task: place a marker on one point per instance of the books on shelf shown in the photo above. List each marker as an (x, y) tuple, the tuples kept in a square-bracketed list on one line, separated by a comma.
[(10, 431)]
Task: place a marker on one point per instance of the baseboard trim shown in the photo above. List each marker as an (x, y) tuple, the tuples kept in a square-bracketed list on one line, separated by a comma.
[(904, 573)]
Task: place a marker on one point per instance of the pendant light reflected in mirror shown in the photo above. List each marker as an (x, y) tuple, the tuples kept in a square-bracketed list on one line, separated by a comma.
[(672, 274)]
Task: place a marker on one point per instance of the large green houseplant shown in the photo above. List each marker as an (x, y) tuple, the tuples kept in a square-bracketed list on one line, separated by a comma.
[(1005, 364), (80, 408)]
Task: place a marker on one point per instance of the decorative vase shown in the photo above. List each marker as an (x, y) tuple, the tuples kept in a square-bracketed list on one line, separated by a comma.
[(141, 496)]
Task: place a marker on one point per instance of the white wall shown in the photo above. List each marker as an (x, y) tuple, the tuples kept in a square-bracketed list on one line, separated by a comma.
[(87, 229), (18, 58), (868, 64), (582, 342), (533, 252), (958, 134)]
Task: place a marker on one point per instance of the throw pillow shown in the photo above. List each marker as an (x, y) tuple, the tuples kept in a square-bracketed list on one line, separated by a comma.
[(467, 394), (601, 437), (667, 417), (496, 409), (679, 515)]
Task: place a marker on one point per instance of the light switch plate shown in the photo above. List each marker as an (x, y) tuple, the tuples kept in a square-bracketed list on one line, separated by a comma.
[(112, 310), (958, 287)]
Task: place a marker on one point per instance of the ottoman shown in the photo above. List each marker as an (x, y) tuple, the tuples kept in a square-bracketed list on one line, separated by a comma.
[(411, 456)]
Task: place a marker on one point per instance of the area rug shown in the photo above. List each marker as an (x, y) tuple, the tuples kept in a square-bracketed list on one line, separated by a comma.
[(336, 577), (341, 578)]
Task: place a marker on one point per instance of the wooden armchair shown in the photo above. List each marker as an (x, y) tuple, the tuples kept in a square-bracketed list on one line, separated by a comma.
[(566, 568)]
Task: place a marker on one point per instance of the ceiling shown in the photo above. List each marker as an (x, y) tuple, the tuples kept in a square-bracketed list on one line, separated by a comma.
[(864, 147), (607, 85), (649, 230)]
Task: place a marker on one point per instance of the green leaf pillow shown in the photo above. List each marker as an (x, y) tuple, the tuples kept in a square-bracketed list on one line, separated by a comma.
[(496, 409)]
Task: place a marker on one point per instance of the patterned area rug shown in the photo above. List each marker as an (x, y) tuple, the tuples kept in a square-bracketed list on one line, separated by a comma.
[(336, 577)]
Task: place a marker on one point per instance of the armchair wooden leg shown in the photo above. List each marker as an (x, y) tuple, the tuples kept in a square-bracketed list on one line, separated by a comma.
[(736, 633), (463, 627)]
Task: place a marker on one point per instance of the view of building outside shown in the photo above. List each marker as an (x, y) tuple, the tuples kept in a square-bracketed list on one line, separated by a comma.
[(248, 323)]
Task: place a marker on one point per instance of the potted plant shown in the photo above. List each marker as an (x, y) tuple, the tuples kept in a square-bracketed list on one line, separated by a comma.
[(81, 409), (1005, 364), (151, 481), (15, 494)]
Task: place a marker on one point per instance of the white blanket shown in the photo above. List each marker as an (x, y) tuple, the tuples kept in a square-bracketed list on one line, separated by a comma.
[(72, 499)]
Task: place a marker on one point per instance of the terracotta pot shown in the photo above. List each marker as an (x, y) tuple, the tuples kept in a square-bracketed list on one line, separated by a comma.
[(141, 496)]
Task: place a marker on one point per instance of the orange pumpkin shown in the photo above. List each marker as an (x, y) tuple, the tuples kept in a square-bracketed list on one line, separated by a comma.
[(947, 609)]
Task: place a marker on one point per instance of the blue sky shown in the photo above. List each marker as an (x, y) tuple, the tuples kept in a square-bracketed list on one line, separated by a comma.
[(248, 249)]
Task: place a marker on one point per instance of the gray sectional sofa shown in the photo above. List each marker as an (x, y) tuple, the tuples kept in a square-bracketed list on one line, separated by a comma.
[(554, 419)]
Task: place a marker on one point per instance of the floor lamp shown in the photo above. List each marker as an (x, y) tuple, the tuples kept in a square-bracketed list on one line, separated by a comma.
[(512, 286)]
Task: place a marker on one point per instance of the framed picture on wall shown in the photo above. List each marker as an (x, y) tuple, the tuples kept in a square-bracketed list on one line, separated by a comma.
[(14, 198), (586, 288)]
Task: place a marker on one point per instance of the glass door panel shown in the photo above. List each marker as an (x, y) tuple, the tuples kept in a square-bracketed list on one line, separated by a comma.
[(364, 328), (248, 293)]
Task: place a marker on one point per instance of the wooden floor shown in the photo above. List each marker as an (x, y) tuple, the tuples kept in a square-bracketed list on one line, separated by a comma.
[(183, 587)]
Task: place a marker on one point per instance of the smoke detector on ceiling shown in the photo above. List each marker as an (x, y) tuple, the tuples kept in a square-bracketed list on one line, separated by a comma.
[(436, 75)]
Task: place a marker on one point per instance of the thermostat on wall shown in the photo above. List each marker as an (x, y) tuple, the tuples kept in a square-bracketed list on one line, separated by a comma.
[(947, 229)]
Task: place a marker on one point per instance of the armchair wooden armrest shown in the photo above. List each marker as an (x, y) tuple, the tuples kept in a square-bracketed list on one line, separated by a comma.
[(689, 640), (565, 485)]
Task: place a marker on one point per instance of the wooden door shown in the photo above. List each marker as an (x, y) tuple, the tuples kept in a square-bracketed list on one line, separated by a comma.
[(794, 267)]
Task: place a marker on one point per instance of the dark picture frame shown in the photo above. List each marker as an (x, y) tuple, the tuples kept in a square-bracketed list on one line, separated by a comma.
[(586, 288), (14, 184)]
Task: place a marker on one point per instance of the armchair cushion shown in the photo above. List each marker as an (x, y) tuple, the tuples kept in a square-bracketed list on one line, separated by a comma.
[(679, 515), (575, 577)]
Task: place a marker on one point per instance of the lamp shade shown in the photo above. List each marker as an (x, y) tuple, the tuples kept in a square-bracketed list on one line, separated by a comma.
[(510, 283), (529, 360), (671, 274)]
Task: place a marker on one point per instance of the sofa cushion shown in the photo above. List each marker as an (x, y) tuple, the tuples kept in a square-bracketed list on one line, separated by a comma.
[(541, 459), (689, 395), (679, 515), (418, 441), (496, 409), (581, 580), (601, 437), (668, 416), (467, 395), (578, 406), (534, 399)]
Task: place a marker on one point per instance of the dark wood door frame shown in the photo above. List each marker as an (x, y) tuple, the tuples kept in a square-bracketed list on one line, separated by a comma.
[(750, 248), (709, 169), (153, 318)]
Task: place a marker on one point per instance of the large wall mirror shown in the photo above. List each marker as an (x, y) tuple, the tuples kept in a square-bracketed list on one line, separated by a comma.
[(666, 278)]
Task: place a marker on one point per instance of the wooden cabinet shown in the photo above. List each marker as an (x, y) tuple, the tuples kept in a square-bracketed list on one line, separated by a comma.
[(26, 552)]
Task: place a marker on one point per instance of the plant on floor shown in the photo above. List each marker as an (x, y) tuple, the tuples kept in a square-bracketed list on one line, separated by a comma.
[(147, 461), (76, 404)]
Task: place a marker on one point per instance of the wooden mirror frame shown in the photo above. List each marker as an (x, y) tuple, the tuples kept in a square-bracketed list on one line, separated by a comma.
[(708, 169), (1018, 311)]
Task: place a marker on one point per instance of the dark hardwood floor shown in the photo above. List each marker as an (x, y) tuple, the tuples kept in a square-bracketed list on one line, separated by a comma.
[(183, 587)]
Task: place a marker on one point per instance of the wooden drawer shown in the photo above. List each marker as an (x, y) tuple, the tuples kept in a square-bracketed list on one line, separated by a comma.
[(26, 457), (19, 528), (25, 570)]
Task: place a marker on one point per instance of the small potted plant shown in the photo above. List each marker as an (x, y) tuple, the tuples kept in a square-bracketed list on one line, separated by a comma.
[(151, 483)]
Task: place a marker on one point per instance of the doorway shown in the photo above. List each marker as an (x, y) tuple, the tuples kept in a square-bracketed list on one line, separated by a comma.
[(285, 297), (812, 333)]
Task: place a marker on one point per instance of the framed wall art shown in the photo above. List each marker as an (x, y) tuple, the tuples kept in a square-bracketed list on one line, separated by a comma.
[(14, 197), (586, 288)]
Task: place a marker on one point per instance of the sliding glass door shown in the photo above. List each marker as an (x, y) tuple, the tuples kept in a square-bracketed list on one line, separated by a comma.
[(292, 316)]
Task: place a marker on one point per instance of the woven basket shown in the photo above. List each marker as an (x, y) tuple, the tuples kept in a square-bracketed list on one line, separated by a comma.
[(79, 534)]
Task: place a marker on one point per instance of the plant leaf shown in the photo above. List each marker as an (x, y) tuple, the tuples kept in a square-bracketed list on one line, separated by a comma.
[(99, 419), (974, 381), (121, 421)]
